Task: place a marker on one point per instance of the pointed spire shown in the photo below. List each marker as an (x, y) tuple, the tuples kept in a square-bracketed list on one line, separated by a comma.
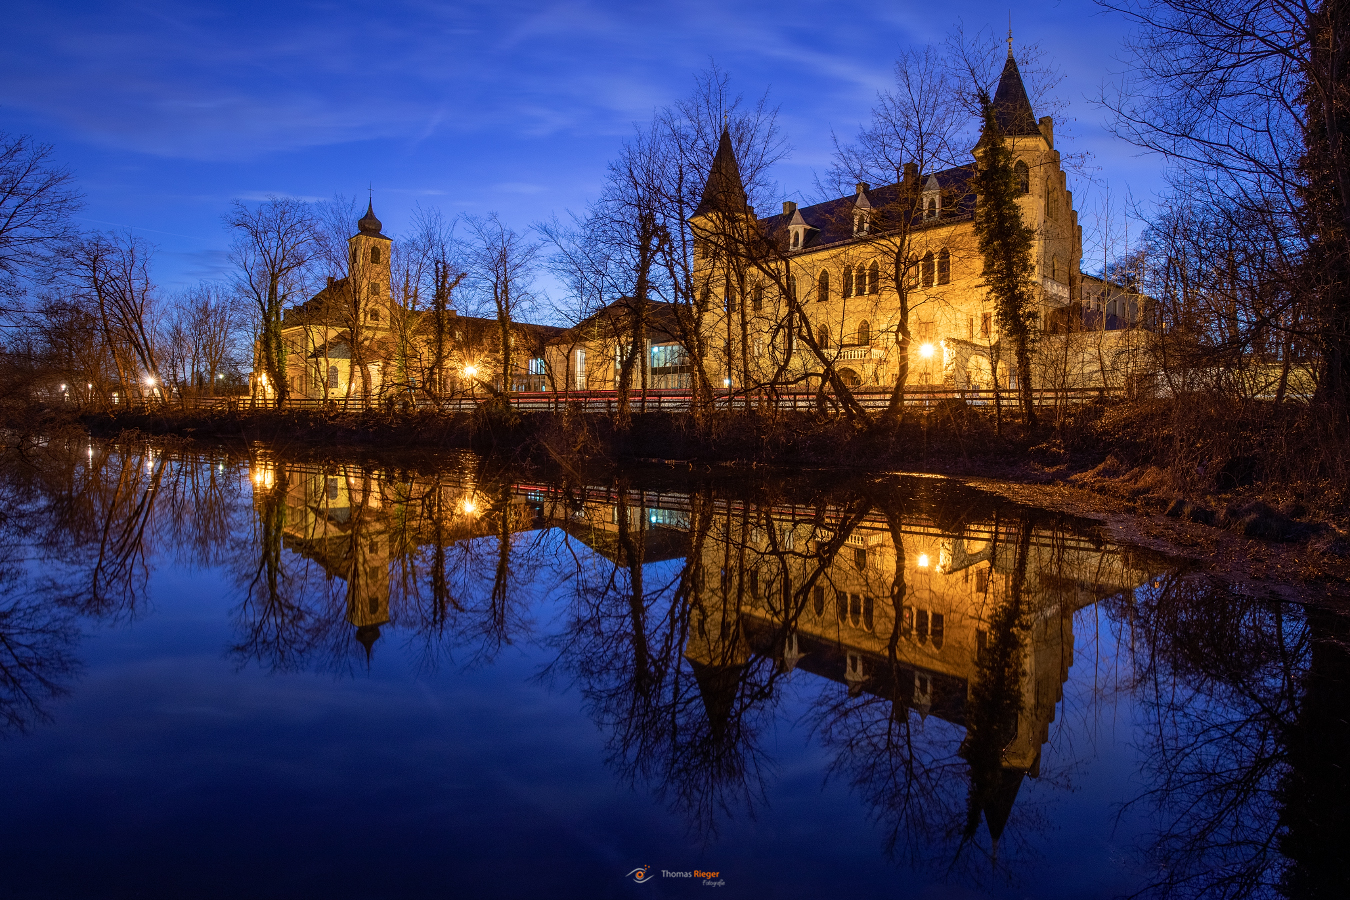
[(1012, 107), (724, 192)]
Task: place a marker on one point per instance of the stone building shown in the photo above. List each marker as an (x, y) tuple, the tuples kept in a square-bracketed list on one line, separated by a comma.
[(358, 327), (847, 260)]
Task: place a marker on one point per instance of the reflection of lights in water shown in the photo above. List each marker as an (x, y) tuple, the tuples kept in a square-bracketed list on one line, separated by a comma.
[(923, 560), (926, 350), (263, 477)]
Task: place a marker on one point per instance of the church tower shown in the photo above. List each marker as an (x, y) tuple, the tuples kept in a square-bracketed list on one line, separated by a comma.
[(368, 268)]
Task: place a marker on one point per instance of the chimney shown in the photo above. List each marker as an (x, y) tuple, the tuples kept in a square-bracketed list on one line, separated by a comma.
[(861, 187), (1048, 130), (911, 174), (789, 208)]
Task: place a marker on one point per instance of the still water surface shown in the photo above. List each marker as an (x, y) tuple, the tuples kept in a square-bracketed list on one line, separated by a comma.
[(253, 676)]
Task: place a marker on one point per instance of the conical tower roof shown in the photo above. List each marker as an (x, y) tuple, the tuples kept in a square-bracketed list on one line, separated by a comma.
[(724, 192), (1012, 107)]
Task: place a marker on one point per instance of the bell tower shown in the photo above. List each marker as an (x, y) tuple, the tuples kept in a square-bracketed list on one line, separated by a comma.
[(368, 267)]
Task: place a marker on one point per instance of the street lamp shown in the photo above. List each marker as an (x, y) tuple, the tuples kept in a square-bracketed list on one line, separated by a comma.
[(926, 351), (470, 371)]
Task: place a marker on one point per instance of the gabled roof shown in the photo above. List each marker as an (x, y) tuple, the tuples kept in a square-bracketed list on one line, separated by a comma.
[(832, 221), (1012, 107), (724, 192), (613, 318)]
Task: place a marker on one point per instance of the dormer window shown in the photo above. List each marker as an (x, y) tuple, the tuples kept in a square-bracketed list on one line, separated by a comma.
[(796, 238), (862, 209), (932, 198)]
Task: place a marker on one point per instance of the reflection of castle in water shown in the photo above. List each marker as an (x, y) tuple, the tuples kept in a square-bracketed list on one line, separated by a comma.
[(888, 603)]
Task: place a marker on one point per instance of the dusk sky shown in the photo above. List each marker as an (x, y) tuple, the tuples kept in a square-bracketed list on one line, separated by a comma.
[(167, 111)]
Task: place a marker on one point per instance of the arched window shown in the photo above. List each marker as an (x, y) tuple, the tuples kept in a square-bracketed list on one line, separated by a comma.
[(944, 266), (374, 289), (375, 255), (874, 279), (757, 299), (1022, 177), (1054, 268), (823, 286), (848, 282), (796, 239), (332, 378), (864, 333), (374, 315), (927, 269), (354, 257), (823, 336), (930, 209)]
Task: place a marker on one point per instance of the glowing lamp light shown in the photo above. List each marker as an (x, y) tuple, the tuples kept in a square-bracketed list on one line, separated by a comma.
[(923, 560), (926, 351), (470, 371), (63, 387), (263, 477), (468, 506), (150, 380), (90, 386), (726, 382)]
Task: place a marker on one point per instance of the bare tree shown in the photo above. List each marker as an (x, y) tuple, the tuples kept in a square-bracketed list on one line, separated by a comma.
[(110, 273), (37, 200), (502, 266), (918, 127), (1254, 99), (274, 245)]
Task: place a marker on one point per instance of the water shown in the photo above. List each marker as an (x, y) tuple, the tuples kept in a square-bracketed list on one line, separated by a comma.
[(255, 676)]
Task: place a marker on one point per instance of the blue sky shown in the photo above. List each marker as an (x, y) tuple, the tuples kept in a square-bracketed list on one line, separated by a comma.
[(167, 111)]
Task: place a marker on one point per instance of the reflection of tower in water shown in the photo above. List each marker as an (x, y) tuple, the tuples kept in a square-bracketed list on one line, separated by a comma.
[(969, 622), (368, 586)]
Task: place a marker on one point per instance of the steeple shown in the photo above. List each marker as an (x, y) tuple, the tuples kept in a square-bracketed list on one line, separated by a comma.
[(1012, 107), (368, 224), (724, 192)]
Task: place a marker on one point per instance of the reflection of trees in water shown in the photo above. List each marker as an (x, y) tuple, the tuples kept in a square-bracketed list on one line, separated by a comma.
[(1245, 736), (441, 559), (680, 635), (37, 644), (930, 783), (89, 517)]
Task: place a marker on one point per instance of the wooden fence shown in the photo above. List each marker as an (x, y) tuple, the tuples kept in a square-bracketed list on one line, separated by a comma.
[(652, 401)]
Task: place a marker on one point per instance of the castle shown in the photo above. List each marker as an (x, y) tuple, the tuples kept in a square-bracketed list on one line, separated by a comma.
[(865, 288)]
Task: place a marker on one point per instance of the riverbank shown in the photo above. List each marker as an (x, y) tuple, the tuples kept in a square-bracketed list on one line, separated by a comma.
[(1258, 492)]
